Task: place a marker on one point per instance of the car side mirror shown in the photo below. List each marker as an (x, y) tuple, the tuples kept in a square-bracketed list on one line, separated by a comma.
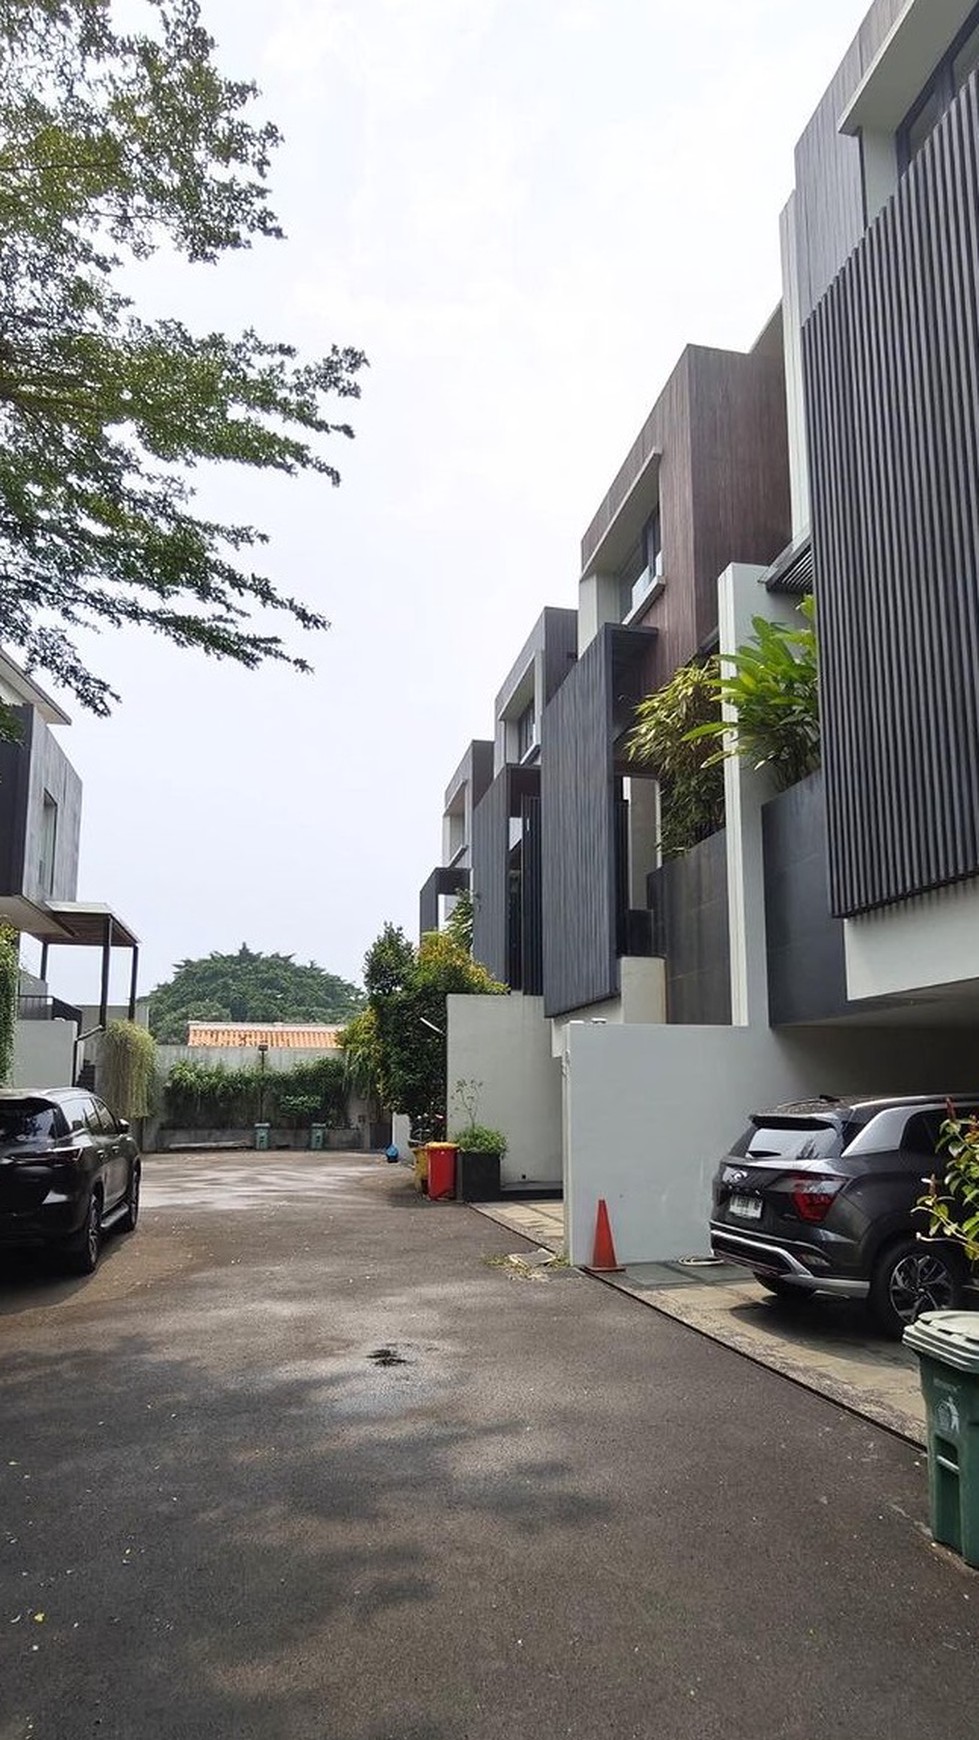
[(123, 1126)]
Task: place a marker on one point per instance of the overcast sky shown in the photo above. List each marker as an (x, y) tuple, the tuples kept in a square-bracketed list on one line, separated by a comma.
[(522, 210)]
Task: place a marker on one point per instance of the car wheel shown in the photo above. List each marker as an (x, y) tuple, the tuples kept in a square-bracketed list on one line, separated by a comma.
[(131, 1216), (912, 1277), (85, 1249)]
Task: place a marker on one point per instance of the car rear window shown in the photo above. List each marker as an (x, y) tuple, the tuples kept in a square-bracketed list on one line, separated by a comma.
[(791, 1139), (27, 1121)]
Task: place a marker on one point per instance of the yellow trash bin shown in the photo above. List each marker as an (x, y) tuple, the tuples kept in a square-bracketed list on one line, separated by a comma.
[(421, 1168)]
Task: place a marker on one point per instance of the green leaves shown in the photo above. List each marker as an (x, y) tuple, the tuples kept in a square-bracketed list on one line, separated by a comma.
[(951, 1203), (111, 146), (248, 987), (398, 1044), (127, 1060), (691, 788), (771, 686)]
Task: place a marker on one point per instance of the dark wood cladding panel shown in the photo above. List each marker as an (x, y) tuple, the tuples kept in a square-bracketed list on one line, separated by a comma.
[(739, 472), (723, 483), (688, 897), (441, 881), (891, 359), (577, 843), (490, 849), (828, 169)]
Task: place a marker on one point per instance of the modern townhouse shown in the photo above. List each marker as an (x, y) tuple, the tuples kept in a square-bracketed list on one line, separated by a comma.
[(40, 826), (827, 938)]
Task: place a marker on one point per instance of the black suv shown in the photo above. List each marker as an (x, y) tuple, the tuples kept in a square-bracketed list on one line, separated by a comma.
[(68, 1171), (819, 1198)]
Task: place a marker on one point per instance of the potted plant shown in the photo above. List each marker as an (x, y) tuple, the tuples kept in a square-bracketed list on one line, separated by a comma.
[(480, 1150)]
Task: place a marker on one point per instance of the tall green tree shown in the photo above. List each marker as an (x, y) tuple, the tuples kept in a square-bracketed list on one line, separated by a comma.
[(114, 144), (248, 987), (400, 1044)]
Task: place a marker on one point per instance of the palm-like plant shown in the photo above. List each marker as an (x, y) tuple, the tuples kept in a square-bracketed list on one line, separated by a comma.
[(772, 689)]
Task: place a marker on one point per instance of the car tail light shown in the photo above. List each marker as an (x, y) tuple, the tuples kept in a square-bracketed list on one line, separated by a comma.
[(812, 1198)]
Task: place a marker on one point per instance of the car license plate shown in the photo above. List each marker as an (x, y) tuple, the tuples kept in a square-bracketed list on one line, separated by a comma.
[(748, 1207)]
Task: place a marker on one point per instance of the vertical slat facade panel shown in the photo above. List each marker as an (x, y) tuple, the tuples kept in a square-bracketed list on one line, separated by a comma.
[(891, 360), (577, 841), (490, 848), (531, 914)]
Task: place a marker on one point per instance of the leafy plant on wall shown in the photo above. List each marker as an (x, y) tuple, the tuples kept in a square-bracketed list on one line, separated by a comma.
[(691, 787), (772, 685), (127, 1060), (9, 986)]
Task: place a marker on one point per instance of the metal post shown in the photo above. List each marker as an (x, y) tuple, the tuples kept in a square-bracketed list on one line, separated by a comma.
[(132, 983), (106, 957)]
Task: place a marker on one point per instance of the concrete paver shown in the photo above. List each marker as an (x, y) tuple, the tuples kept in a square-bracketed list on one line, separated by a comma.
[(302, 1461)]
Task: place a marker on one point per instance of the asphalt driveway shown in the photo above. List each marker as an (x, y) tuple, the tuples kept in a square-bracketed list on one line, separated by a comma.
[(303, 1460)]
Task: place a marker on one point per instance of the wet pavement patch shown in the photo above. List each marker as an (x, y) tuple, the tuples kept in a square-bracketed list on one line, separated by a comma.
[(387, 1356)]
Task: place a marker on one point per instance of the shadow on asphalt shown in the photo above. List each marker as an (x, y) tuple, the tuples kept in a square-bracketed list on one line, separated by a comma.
[(228, 1518), (31, 1279)]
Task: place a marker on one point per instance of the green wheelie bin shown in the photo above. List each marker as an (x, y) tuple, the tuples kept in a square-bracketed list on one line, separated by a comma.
[(947, 1345)]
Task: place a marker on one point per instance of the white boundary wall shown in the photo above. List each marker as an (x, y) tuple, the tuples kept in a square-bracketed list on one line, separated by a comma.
[(44, 1054), (650, 1110), (505, 1043)]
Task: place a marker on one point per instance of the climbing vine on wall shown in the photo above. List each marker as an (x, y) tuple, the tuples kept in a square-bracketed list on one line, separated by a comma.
[(9, 984)]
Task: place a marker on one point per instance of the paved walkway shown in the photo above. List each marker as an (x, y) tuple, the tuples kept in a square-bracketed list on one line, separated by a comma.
[(827, 1345)]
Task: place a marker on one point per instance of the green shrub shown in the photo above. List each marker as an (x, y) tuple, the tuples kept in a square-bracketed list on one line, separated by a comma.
[(478, 1139), (206, 1096)]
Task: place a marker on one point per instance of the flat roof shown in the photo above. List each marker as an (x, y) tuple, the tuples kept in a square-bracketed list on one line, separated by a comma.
[(27, 690)]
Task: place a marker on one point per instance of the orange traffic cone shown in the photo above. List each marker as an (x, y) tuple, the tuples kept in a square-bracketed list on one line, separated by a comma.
[(604, 1260)]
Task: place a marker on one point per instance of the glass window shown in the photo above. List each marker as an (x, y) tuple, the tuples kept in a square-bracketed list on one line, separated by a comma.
[(922, 1132), (525, 732), (654, 546), (27, 1122), (952, 72), (796, 1140)]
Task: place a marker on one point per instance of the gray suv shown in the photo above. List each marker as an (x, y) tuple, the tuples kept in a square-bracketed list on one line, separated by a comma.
[(819, 1197), (69, 1171)]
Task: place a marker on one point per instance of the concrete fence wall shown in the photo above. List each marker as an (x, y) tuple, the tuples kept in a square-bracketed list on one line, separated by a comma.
[(504, 1044), (44, 1054)]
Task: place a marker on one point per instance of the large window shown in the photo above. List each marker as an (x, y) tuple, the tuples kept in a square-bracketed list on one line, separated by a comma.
[(49, 843), (526, 737), (952, 72)]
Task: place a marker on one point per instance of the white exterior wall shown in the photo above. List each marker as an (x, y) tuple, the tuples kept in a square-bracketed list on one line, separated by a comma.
[(643, 1000), (931, 940), (650, 1110), (44, 1054), (504, 1043), (238, 1056)]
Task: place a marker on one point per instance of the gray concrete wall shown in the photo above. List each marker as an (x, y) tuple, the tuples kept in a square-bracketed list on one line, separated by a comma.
[(504, 1043), (44, 1054)]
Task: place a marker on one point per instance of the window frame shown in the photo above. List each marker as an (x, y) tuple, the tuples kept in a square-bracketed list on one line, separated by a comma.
[(940, 84)]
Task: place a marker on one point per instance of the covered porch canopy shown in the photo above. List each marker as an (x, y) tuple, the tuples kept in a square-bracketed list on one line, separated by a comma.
[(76, 924)]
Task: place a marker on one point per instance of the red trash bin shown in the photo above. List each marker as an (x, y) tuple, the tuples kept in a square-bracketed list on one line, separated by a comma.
[(441, 1169)]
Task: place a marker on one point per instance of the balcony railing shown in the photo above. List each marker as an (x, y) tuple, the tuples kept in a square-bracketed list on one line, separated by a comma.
[(32, 1008)]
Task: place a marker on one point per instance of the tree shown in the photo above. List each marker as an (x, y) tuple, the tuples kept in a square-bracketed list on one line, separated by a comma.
[(691, 793), (399, 1043), (113, 145), (248, 987), (459, 923)]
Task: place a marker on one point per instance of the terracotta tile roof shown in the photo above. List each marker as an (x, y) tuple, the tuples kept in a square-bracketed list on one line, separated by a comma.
[(283, 1036)]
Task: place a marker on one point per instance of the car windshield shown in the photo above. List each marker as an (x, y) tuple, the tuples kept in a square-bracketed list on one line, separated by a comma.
[(27, 1122), (793, 1139)]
